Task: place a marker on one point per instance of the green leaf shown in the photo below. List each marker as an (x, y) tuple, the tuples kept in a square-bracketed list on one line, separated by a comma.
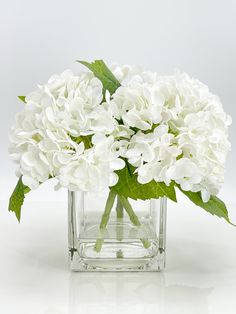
[(214, 206), (22, 98), (17, 198), (87, 140), (129, 187), (104, 74)]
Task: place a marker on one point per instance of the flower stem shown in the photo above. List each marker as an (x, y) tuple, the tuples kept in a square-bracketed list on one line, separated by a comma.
[(104, 221), (119, 215), (119, 208), (133, 217)]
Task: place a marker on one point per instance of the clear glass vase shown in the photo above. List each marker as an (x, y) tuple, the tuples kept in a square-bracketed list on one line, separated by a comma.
[(111, 233)]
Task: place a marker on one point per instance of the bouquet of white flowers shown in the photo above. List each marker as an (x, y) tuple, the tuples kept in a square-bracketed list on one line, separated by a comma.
[(140, 134)]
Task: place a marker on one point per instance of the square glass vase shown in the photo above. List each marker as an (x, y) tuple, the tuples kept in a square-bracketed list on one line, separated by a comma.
[(111, 233)]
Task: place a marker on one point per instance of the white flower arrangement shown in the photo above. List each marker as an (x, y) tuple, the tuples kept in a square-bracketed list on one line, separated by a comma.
[(140, 134)]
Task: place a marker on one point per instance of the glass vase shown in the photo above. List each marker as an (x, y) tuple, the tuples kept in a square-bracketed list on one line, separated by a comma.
[(111, 233)]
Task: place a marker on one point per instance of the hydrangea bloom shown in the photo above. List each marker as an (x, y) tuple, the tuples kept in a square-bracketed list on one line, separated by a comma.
[(43, 138), (170, 128), (182, 131)]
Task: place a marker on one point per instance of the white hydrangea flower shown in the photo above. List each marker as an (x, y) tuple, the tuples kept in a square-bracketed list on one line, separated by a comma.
[(201, 128), (185, 172), (33, 148), (152, 154), (128, 75), (34, 166), (67, 106), (138, 106), (196, 121), (94, 170), (73, 103)]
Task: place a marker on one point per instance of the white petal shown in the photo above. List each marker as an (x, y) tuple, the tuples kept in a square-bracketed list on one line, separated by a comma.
[(205, 196), (117, 164), (107, 96), (30, 182), (113, 179)]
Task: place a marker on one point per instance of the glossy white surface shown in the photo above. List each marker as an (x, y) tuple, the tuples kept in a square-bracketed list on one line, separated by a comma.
[(200, 277)]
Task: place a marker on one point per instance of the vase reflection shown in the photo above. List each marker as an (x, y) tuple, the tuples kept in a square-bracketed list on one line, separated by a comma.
[(134, 293)]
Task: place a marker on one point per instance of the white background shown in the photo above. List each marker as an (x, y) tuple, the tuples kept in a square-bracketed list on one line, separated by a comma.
[(39, 38)]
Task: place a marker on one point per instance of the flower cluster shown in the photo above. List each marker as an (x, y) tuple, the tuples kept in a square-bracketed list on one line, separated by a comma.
[(170, 128), (56, 135)]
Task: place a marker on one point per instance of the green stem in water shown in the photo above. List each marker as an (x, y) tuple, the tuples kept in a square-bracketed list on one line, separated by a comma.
[(133, 217), (104, 220), (119, 208), (119, 216), (119, 254)]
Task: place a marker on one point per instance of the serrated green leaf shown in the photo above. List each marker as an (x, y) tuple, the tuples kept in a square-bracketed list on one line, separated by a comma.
[(104, 74), (17, 198), (22, 98), (129, 187), (214, 206)]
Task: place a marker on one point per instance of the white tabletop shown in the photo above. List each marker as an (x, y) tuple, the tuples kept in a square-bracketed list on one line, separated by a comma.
[(200, 277)]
